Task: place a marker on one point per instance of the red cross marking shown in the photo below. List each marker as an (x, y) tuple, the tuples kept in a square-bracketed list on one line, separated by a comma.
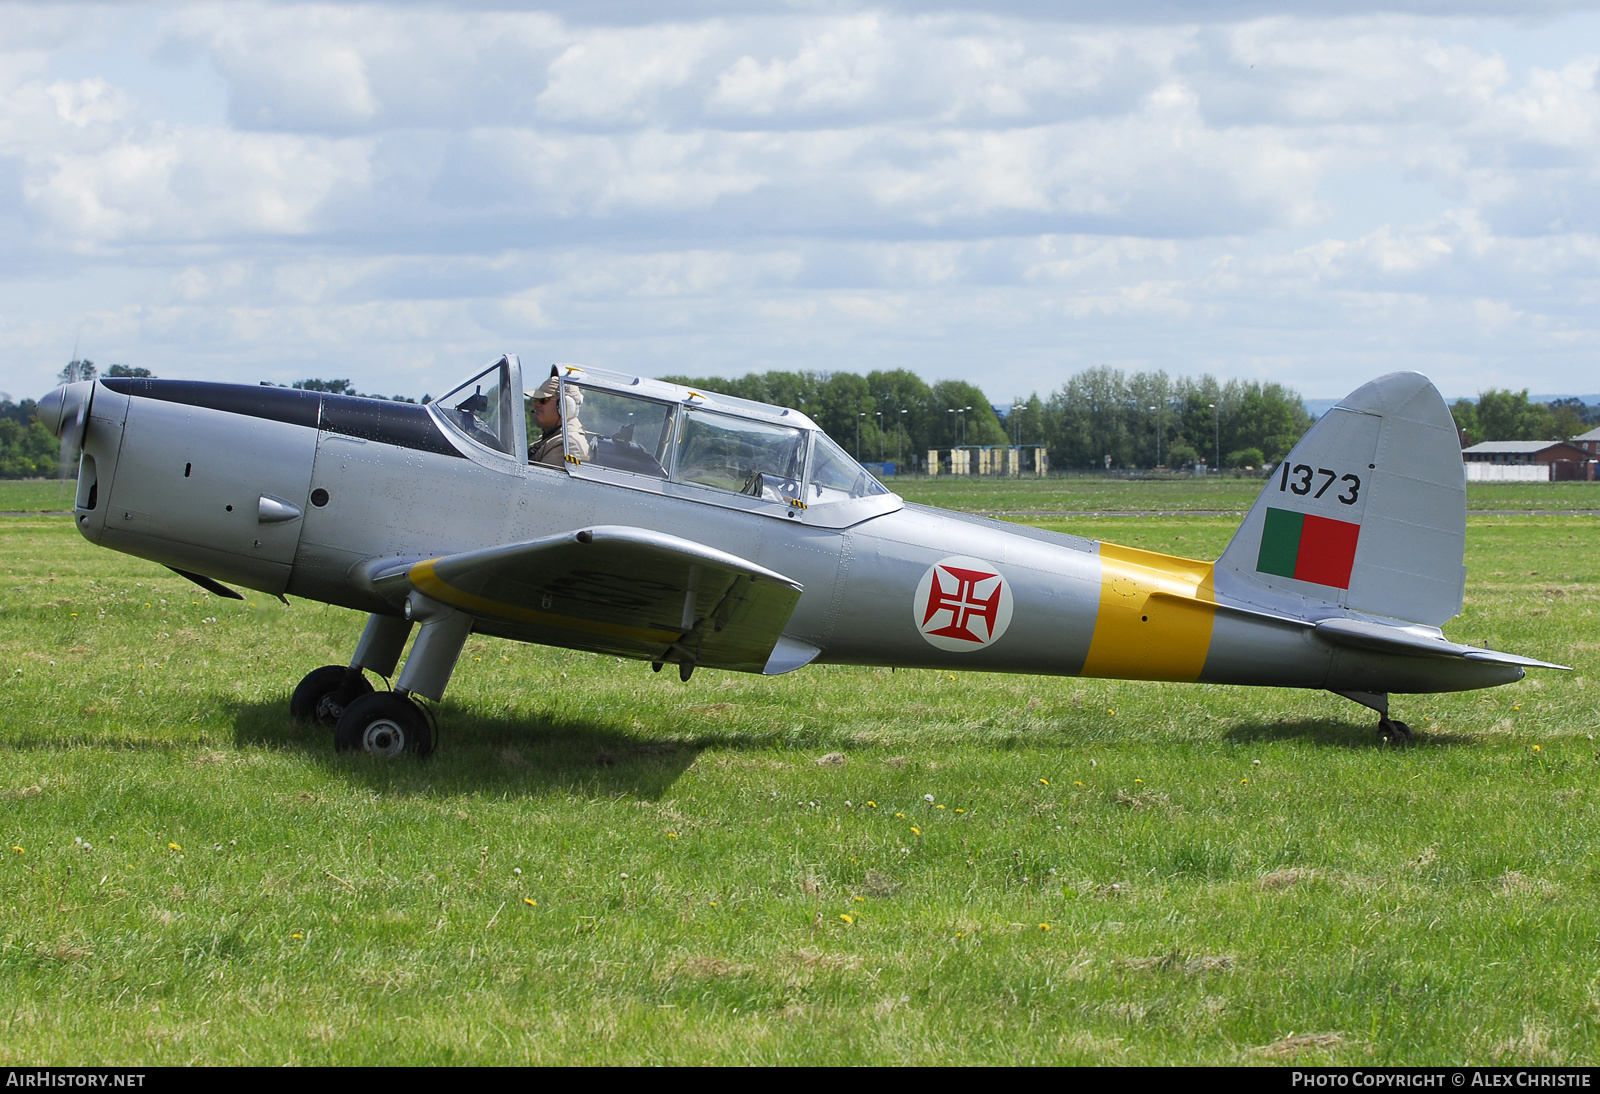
[(963, 603)]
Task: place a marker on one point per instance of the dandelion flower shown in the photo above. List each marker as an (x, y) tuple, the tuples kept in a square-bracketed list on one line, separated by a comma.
[(1536, 748), (872, 805), (938, 807), (17, 849), (915, 830), (861, 900), (672, 835), (173, 847), (902, 816), (846, 918), (1138, 780), (530, 902), (296, 934), (1044, 782), (1044, 926), (960, 810), (1076, 783), (1244, 782)]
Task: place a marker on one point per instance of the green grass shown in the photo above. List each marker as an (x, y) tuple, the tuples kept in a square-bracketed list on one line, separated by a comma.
[(1219, 868), (36, 495), (1179, 494)]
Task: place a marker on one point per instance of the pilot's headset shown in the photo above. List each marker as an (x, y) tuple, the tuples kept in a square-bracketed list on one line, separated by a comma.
[(571, 397), (571, 401)]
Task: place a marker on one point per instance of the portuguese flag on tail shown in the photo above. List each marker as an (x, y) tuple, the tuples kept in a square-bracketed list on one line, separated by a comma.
[(1308, 548)]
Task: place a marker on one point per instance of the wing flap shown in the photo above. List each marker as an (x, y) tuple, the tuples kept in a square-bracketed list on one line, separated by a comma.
[(615, 589)]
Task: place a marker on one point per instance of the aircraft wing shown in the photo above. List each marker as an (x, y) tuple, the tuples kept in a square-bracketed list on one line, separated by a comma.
[(612, 589)]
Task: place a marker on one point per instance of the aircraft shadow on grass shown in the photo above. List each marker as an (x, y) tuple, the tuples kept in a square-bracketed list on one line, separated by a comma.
[(519, 756), (1327, 733)]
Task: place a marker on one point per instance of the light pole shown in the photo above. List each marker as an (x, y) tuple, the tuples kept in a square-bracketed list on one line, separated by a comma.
[(879, 413), (1157, 410), (1016, 428), (961, 417), (899, 433), (859, 416), (1216, 425)]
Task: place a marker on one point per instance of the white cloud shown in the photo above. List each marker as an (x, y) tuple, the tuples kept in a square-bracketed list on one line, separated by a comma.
[(806, 188)]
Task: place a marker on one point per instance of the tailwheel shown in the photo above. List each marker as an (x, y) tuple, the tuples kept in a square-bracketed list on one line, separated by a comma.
[(385, 723), (324, 693), (1394, 729)]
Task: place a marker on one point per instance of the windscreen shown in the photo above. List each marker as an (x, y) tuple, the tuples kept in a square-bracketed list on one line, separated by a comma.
[(477, 408)]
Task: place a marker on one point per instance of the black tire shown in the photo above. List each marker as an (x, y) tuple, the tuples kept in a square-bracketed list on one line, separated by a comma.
[(1394, 729), (324, 693), (384, 724)]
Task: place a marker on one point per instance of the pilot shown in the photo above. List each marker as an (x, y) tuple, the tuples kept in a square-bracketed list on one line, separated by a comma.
[(549, 408)]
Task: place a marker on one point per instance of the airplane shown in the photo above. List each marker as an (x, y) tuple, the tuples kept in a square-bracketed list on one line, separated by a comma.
[(690, 528)]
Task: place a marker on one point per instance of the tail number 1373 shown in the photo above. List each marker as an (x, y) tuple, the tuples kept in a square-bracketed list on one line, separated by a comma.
[(1301, 478)]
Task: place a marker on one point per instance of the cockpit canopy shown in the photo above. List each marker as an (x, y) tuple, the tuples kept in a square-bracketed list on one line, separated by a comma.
[(634, 431)]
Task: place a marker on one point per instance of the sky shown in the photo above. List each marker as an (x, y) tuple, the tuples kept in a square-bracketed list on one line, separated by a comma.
[(1314, 194)]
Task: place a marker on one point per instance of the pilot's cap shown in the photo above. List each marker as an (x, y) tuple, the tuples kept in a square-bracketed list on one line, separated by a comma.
[(552, 387), (549, 388)]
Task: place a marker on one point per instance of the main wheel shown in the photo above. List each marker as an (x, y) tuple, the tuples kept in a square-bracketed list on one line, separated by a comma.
[(384, 724), (324, 693), (1394, 729)]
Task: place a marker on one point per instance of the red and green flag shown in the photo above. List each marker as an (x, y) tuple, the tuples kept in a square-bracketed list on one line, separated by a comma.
[(1308, 548)]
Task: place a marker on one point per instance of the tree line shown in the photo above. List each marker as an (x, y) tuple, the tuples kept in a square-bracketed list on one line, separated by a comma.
[(1502, 415), (1142, 420)]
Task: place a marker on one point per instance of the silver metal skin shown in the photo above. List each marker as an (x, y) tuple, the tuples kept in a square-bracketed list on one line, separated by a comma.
[(434, 517)]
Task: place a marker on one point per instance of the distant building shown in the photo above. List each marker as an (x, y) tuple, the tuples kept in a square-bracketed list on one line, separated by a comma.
[(1589, 442), (1532, 461)]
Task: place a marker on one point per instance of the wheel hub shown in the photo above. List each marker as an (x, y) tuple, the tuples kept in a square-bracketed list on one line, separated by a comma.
[(328, 710), (383, 737)]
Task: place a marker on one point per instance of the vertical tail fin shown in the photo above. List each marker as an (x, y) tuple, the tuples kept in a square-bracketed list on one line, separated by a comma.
[(1369, 513)]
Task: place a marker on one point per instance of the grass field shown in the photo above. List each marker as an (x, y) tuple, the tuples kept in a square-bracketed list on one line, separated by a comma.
[(36, 495), (603, 865)]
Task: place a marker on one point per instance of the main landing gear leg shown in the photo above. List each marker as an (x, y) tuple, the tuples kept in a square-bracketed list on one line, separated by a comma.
[(1392, 728), (324, 693), (391, 723)]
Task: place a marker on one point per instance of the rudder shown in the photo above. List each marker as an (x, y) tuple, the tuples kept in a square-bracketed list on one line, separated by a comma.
[(1368, 513)]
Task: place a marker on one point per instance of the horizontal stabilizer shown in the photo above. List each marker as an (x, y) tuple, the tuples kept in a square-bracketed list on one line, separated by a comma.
[(1415, 641), (615, 589)]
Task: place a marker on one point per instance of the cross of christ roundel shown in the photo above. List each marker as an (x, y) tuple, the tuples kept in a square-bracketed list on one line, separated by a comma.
[(962, 604)]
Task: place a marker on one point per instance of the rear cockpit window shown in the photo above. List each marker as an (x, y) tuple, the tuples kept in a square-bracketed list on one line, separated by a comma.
[(740, 455)]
